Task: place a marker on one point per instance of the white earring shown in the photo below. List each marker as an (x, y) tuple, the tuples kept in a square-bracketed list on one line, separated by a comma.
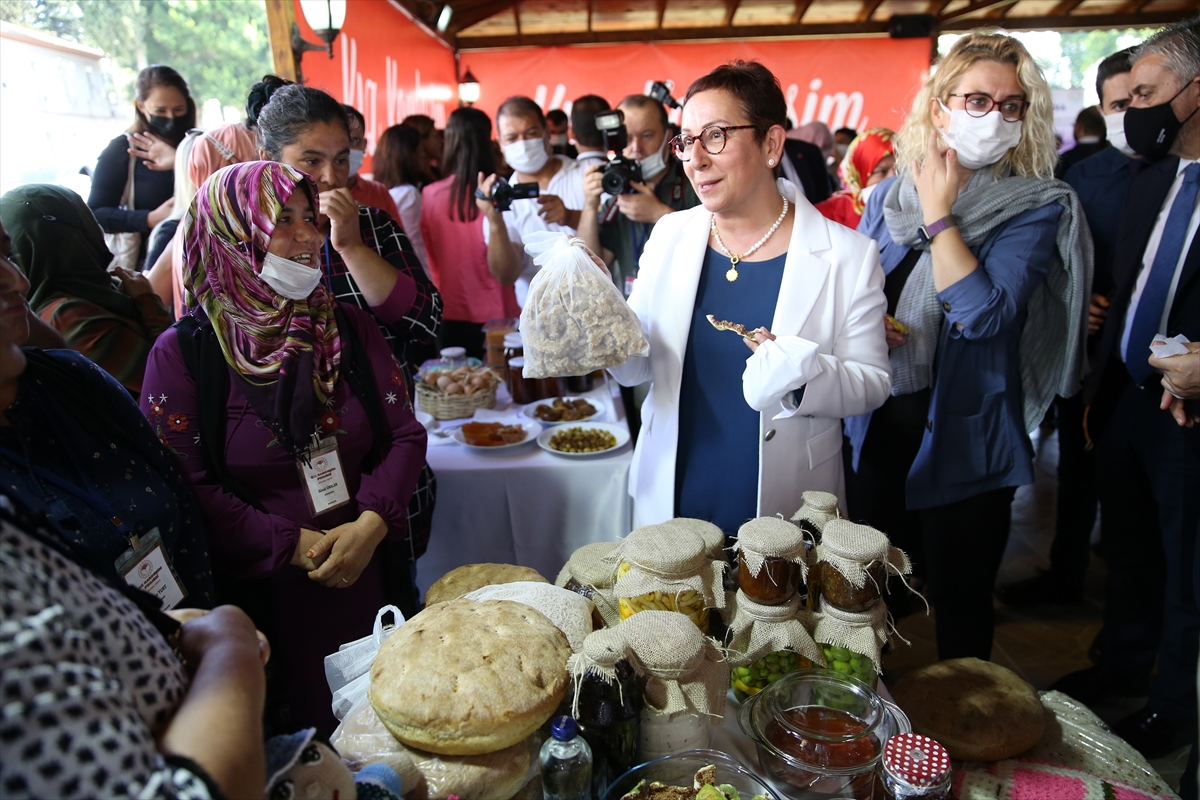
[(770, 162)]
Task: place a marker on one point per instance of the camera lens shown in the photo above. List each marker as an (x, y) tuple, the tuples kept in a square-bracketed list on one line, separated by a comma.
[(614, 181)]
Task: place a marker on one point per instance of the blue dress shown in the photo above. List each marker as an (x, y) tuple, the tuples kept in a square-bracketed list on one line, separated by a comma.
[(716, 465), (128, 467)]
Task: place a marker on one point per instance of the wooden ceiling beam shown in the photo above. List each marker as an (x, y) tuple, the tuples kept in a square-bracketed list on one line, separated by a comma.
[(801, 10), (731, 7), (460, 20), (1079, 22), (937, 7), (869, 8), (974, 7), (1065, 7), (662, 12)]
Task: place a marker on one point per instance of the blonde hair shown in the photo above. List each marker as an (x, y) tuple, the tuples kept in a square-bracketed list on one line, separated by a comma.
[(185, 190), (1035, 155)]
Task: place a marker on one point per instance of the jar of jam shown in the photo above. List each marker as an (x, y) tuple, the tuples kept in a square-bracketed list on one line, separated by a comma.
[(837, 590), (772, 560), (522, 389), (821, 750), (608, 716)]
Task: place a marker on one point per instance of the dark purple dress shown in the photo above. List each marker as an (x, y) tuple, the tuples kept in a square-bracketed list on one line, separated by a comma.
[(311, 620)]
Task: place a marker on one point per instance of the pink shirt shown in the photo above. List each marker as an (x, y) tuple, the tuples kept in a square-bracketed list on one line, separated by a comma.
[(458, 261)]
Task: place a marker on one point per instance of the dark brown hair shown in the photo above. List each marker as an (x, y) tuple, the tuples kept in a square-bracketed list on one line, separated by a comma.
[(468, 152), (151, 78), (645, 101), (395, 161), (753, 87), (583, 120), (520, 106)]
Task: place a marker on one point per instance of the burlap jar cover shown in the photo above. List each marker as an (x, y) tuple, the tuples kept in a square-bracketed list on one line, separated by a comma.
[(588, 567), (667, 560), (771, 537), (818, 509), (863, 632), (758, 630), (851, 548), (714, 537), (685, 671)]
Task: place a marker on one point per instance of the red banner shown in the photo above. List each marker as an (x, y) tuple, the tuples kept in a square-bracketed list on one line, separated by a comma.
[(855, 83), (385, 66)]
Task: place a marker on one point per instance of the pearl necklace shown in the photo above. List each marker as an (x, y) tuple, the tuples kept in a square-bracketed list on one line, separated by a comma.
[(732, 274)]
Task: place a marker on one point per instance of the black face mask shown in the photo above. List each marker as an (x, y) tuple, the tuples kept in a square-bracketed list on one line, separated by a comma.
[(1151, 131), (170, 128)]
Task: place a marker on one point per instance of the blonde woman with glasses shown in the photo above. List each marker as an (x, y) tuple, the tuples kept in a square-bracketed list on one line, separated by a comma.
[(737, 426), (988, 262)]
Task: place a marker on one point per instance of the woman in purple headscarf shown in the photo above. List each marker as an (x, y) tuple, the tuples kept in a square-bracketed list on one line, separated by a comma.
[(288, 413)]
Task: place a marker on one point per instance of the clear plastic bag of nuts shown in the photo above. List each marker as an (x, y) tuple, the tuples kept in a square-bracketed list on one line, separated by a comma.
[(663, 569)]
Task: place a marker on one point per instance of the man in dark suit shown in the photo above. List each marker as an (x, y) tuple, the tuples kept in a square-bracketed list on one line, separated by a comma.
[(1148, 466), (1090, 138)]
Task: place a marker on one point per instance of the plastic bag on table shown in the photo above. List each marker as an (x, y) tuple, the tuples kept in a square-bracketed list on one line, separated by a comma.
[(575, 321), (348, 671)]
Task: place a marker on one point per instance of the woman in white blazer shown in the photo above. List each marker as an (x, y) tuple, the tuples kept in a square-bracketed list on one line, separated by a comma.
[(713, 446)]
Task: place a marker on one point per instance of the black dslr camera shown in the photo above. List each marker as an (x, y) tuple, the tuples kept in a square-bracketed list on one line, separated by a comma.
[(503, 193), (620, 172), (662, 93)]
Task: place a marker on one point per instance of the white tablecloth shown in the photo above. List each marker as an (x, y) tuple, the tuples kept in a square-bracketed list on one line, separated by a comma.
[(525, 506)]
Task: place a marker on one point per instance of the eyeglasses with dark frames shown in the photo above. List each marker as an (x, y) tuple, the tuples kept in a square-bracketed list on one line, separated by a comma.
[(712, 139), (979, 104)]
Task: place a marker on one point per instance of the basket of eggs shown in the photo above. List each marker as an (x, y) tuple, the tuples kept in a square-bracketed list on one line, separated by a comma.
[(456, 393)]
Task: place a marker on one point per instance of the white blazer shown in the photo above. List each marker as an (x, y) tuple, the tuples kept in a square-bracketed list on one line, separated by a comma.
[(829, 324)]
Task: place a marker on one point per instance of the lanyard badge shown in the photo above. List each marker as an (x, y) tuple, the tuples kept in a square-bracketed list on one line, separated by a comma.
[(323, 478), (145, 566)]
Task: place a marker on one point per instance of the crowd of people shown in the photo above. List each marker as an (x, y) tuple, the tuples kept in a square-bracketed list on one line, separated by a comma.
[(231, 308)]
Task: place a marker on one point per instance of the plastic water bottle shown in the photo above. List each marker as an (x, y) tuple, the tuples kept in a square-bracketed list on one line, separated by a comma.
[(566, 763)]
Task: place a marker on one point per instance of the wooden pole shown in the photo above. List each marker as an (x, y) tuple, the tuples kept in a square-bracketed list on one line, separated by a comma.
[(281, 18)]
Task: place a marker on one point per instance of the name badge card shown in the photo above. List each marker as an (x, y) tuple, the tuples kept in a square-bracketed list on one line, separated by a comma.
[(324, 479), (145, 566)]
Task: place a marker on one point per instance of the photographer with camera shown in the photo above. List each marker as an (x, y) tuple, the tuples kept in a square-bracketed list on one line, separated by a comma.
[(645, 183), (553, 203)]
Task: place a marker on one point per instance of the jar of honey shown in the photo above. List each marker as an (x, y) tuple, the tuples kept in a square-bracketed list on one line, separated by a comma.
[(522, 389)]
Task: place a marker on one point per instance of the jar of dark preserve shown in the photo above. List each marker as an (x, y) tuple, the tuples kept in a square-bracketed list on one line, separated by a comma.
[(608, 719), (775, 582), (837, 590), (522, 389)]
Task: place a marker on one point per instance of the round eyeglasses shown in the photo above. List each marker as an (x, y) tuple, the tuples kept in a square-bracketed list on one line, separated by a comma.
[(712, 139), (978, 104)]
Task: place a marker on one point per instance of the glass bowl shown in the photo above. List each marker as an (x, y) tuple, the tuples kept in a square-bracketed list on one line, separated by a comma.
[(680, 770), (819, 733)]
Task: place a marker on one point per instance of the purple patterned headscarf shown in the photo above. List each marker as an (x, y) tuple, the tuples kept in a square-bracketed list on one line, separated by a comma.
[(287, 352)]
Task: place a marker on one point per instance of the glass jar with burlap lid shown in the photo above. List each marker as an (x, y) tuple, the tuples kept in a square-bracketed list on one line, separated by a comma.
[(714, 537), (852, 641), (685, 674), (772, 560), (589, 574), (768, 641), (853, 564), (666, 569), (817, 509)]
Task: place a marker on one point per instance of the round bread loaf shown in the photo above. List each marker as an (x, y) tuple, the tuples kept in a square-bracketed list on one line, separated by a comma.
[(464, 678), (469, 577), (978, 710), (491, 776)]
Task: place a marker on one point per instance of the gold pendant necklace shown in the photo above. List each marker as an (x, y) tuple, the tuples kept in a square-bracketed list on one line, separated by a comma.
[(731, 274)]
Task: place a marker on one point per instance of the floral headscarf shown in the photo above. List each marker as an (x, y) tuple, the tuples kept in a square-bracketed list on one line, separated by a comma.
[(270, 342), (862, 157)]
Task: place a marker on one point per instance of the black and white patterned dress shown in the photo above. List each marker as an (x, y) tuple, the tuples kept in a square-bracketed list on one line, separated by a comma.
[(88, 681)]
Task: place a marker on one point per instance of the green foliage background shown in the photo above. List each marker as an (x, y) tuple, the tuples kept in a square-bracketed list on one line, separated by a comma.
[(219, 46)]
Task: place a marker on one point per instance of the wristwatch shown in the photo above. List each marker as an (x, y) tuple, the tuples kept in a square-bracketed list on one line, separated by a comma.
[(927, 232)]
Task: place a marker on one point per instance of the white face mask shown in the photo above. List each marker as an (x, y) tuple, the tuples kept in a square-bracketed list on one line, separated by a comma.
[(1115, 123), (356, 161), (559, 140), (653, 164), (865, 194), (527, 155), (980, 141), (293, 281), (841, 150)]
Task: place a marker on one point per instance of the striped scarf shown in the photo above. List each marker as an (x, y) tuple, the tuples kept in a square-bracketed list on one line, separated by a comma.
[(268, 341)]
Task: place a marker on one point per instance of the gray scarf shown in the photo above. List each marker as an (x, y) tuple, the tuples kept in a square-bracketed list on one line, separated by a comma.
[(1053, 358)]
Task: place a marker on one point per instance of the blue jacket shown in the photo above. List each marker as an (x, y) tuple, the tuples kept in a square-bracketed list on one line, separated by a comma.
[(975, 439), (1101, 182)]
